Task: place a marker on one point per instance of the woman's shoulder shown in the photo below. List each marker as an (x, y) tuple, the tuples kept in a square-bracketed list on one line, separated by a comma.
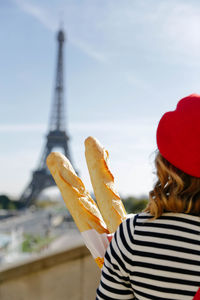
[(144, 217), (168, 223), (138, 216), (129, 224)]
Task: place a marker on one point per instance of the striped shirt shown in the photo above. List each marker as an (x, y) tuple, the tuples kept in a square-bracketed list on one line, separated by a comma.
[(153, 259)]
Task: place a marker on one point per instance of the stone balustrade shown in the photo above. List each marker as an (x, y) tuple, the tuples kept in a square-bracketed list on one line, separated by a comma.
[(70, 274)]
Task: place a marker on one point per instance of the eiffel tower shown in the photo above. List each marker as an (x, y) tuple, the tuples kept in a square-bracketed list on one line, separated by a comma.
[(56, 137)]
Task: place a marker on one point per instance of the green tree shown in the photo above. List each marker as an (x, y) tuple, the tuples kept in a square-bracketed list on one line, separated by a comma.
[(7, 203), (4, 201), (135, 205)]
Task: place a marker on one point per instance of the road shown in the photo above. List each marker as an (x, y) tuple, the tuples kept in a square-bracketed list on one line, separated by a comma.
[(36, 222)]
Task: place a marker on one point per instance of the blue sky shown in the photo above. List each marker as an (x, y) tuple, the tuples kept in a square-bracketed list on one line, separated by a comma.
[(126, 63)]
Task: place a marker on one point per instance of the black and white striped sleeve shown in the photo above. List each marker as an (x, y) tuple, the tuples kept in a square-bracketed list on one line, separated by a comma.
[(115, 281)]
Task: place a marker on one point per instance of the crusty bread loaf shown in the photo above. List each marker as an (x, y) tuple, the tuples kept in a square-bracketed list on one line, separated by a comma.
[(78, 201), (108, 199)]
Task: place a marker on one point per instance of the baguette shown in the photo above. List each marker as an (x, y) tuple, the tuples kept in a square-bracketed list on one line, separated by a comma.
[(108, 199), (81, 206)]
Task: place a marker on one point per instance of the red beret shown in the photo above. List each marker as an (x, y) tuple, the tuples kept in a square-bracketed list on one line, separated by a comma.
[(178, 135)]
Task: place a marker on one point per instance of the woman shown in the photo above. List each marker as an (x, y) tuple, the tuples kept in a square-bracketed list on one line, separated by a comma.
[(156, 254)]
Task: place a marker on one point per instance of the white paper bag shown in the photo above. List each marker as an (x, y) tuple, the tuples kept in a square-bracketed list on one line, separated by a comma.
[(97, 243)]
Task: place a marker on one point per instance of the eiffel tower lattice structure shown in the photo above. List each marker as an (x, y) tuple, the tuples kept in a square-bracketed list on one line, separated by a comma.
[(56, 137)]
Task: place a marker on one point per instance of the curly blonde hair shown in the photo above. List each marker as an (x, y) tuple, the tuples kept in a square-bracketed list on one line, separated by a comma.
[(174, 191)]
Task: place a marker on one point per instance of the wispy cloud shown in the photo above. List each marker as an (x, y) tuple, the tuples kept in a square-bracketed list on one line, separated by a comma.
[(47, 19), (21, 128), (137, 135), (168, 29), (181, 27), (88, 49), (140, 126), (134, 80), (38, 13)]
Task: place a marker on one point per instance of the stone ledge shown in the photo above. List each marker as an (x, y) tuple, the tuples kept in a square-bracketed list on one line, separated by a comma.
[(41, 263)]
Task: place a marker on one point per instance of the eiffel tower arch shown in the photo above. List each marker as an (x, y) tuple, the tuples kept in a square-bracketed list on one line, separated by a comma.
[(57, 135)]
